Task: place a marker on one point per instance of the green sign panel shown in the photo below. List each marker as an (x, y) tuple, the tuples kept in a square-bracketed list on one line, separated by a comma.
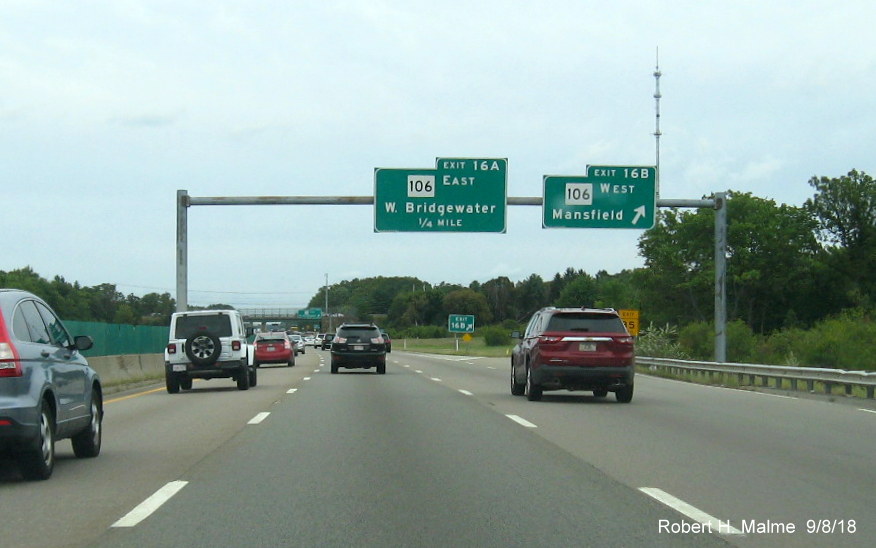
[(459, 195), (607, 197), (310, 313), (460, 323)]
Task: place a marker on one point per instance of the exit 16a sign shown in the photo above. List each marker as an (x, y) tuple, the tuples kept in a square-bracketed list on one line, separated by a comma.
[(458, 195), (607, 197)]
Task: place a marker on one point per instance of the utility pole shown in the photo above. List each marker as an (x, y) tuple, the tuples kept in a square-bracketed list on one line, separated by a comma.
[(326, 305)]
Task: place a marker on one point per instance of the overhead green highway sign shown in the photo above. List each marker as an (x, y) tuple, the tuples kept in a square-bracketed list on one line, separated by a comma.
[(459, 195), (607, 197)]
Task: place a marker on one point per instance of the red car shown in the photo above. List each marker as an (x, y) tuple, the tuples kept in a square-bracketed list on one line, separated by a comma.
[(574, 349), (273, 348)]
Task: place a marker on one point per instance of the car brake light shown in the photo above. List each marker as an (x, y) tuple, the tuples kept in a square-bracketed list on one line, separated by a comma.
[(171, 349), (546, 339), (235, 345), (10, 363), (624, 340), (340, 340), (378, 340)]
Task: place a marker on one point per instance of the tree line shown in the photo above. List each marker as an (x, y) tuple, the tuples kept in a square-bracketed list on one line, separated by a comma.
[(788, 268)]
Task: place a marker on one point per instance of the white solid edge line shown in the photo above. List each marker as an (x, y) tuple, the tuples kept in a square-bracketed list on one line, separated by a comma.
[(436, 379), (259, 418), (150, 505), (466, 392), (521, 421), (867, 410), (715, 525)]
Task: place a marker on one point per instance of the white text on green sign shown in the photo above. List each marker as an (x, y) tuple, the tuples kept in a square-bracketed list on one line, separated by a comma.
[(607, 197), (459, 195), (461, 323)]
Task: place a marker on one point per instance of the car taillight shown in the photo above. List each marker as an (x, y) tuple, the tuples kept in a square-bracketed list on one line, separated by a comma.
[(10, 363), (624, 340), (171, 349), (546, 339), (340, 340), (378, 340), (235, 345)]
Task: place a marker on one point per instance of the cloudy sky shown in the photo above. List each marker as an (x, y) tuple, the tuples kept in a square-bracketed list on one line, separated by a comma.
[(109, 107)]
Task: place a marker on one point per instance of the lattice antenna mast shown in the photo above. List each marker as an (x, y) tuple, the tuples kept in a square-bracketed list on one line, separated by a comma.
[(657, 133)]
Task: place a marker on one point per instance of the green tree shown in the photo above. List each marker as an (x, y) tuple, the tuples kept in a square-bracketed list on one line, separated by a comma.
[(582, 291), (466, 301), (845, 208)]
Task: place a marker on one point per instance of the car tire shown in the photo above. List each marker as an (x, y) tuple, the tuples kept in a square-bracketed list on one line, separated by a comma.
[(600, 393), (517, 389), (38, 461), (381, 368), (625, 394), (253, 377), (86, 444), (203, 348), (185, 382), (334, 367), (171, 381), (243, 378), (533, 391)]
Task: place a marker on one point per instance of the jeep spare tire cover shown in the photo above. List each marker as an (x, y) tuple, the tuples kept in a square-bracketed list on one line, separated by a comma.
[(203, 348)]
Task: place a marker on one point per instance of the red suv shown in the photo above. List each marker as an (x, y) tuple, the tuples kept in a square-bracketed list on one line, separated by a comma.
[(274, 347), (574, 349)]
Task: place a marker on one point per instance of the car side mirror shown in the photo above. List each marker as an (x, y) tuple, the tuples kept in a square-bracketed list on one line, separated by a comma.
[(83, 342)]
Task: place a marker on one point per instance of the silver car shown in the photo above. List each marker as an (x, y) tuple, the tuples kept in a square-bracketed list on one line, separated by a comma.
[(298, 342), (48, 391)]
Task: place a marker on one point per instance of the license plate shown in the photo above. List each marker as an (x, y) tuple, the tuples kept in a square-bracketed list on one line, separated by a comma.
[(358, 347), (587, 347), (179, 367), (271, 349)]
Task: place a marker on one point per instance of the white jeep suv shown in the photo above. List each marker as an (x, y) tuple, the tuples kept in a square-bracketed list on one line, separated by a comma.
[(207, 344)]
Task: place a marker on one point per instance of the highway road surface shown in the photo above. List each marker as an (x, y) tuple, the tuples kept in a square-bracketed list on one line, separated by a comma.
[(437, 452)]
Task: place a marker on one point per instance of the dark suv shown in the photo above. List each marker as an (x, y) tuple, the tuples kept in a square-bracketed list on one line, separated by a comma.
[(48, 391), (574, 349), (358, 346)]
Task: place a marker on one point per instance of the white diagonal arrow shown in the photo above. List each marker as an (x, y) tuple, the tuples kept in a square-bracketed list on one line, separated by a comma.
[(640, 212)]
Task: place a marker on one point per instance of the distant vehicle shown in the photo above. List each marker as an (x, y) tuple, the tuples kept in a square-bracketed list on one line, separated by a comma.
[(387, 340), (574, 349), (327, 341), (358, 346), (48, 392), (298, 343), (310, 340), (207, 344), (273, 348)]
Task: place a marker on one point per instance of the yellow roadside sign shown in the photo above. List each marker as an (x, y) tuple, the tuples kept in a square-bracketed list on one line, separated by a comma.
[(467, 337), (631, 320)]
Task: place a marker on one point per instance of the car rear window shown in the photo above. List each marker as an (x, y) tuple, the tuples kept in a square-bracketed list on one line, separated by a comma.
[(271, 338), (359, 333), (586, 322), (219, 325)]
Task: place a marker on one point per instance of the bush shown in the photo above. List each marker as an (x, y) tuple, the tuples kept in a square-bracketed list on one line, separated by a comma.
[(495, 335), (660, 342)]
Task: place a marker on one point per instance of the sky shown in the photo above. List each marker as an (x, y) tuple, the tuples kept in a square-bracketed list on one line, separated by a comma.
[(108, 108)]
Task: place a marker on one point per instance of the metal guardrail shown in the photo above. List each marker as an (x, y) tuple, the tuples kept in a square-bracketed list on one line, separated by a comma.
[(750, 373)]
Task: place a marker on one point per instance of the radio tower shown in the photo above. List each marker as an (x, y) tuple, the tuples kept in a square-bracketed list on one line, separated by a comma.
[(657, 134)]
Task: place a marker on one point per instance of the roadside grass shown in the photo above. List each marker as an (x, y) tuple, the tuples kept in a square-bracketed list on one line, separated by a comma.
[(447, 345)]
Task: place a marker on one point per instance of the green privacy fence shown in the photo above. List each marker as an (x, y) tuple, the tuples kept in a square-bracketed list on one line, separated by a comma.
[(111, 339)]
